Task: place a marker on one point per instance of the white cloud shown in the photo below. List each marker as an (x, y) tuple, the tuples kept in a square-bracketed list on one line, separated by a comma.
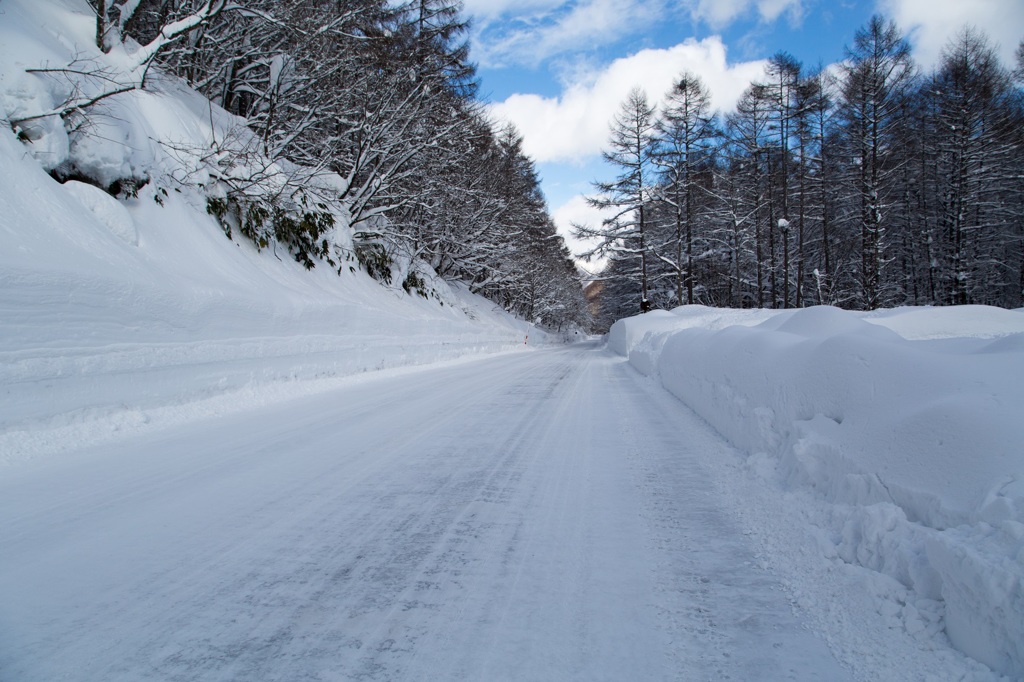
[(770, 10), (542, 29), (487, 10), (574, 125), (509, 32), (931, 23), (720, 13)]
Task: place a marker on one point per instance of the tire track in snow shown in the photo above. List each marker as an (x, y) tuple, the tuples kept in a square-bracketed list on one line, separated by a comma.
[(729, 618), (529, 517)]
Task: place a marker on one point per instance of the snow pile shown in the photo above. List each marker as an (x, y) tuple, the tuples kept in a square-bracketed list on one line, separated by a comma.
[(642, 337), (907, 423), (120, 314)]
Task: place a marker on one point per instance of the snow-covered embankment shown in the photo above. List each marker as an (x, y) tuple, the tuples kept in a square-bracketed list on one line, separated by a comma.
[(105, 335), (907, 424), (138, 311)]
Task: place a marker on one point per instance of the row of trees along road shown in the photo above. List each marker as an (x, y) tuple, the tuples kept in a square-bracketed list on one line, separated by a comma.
[(868, 185), (383, 94)]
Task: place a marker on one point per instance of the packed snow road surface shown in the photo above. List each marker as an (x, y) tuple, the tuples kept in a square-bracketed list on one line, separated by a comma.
[(535, 516)]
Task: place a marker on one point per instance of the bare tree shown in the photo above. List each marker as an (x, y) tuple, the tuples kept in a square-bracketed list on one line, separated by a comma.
[(973, 139), (629, 195), (878, 78), (687, 132)]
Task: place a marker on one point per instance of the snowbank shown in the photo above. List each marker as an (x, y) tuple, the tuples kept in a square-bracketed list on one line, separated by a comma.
[(908, 422)]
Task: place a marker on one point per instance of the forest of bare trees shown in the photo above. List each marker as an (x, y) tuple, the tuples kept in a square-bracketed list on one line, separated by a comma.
[(382, 95), (867, 185)]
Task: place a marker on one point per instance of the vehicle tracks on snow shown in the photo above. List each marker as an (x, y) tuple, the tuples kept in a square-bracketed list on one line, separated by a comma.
[(540, 516)]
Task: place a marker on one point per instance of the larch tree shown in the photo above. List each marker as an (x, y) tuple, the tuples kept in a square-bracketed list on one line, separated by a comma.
[(878, 77), (624, 234), (687, 131), (973, 143), (781, 91), (747, 150)]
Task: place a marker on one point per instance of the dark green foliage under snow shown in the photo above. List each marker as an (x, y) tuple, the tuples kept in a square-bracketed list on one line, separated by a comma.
[(375, 261), (258, 219)]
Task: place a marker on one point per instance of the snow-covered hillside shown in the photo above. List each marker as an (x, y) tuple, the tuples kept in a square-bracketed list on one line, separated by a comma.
[(136, 312), (897, 434)]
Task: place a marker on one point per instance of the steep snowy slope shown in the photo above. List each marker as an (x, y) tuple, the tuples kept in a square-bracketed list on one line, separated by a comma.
[(130, 312)]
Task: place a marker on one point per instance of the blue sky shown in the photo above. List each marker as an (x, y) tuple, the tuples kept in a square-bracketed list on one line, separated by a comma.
[(559, 69)]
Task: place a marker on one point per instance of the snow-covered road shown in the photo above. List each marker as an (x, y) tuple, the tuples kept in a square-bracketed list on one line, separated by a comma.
[(533, 516)]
